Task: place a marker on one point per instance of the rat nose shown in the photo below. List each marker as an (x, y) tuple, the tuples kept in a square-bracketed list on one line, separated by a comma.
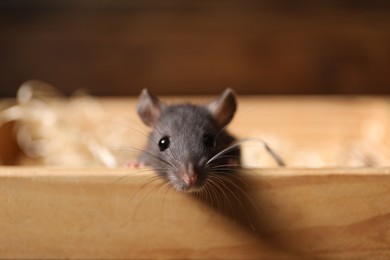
[(190, 175), (190, 179)]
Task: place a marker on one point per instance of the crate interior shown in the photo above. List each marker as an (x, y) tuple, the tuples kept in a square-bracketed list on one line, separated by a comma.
[(329, 210), (307, 132)]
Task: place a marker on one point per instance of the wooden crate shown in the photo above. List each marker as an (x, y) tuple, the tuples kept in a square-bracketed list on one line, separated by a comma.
[(328, 212)]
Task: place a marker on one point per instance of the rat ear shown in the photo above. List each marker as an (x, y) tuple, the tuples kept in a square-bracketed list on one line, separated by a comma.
[(223, 107), (149, 107)]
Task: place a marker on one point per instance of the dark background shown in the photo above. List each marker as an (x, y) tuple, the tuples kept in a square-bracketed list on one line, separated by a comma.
[(117, 47)]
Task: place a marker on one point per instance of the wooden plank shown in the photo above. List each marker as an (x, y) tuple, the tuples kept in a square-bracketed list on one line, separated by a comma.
[(98, 213)]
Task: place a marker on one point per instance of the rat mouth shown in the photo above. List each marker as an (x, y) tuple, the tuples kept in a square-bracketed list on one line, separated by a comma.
[(189, 189), (183, 185), (187, 179)]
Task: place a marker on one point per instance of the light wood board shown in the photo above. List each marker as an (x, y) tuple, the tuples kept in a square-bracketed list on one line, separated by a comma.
[(98, 213)]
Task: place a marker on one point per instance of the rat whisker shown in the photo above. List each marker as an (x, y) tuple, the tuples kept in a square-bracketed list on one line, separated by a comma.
[(228, 149), (236, 145), (156, 178), (146, 152), (168, 189), (141, 202), (273, 154), (215, 195), (239, 188), (217, 179), (233, 156), (226, 175), (223, 170), (231, 166), (221, 186), (162, 191), (239, 201), (208, 195), (232, 161), (200, 194), (124, 176)]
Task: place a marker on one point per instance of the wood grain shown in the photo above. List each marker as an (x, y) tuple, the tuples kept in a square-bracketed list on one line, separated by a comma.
[(95, 213)]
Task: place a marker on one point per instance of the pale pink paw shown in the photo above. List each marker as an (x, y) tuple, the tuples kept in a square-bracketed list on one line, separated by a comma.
[(134, 164)]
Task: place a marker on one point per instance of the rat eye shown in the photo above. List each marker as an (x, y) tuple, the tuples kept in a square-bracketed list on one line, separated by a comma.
[(163, 144), (209, 140)]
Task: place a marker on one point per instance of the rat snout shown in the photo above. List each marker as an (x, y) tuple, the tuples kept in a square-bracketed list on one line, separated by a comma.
[(190, 175), (190, 180)]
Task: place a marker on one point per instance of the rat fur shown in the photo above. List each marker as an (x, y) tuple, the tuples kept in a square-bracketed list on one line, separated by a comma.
[(187, 141)]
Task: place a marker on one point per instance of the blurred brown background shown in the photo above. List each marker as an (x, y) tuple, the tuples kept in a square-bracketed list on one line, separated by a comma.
[(118, 47)]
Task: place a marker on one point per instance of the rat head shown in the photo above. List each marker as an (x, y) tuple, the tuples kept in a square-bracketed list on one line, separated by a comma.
[(185, 137)]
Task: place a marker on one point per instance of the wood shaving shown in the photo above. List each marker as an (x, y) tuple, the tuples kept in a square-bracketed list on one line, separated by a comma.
[(53, 130)]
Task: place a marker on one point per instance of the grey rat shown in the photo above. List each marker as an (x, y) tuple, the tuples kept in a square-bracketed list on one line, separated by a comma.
[(189, 142)]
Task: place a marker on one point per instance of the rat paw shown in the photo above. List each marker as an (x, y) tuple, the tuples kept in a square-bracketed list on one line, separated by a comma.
[(134, 164)]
